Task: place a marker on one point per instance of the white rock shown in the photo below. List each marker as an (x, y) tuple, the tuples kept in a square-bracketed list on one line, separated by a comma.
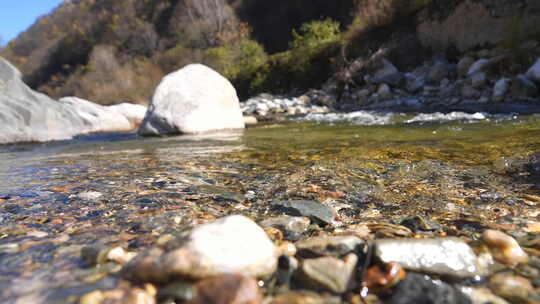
[(478, 80), (233, 244), (384, 91), (133, 112), (500, 89), (26, 115), (385, 69), (478, 66), (97, 118), (464, 65), (534, 72), (446, 256), (262, 108), (193, 99), (250, 120), (90, 195)]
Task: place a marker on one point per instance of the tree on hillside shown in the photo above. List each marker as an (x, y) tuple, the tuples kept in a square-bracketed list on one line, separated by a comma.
[(2, 43), (204, 23)]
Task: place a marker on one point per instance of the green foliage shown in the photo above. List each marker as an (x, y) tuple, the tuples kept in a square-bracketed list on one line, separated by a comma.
[(315, 34), (244, 63), (309, 61)]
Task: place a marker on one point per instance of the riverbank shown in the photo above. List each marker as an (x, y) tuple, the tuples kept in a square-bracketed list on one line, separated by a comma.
[(488, 80)]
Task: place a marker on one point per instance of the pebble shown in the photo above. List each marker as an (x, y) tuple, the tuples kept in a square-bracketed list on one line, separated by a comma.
[(233, 244), (318, 212), (379, 278), (515, 289), (127, 296), (478, 66), (329, 273), (522, 87), (478, 80), (227, 289), (177, 291), (37, 234), (417, 288), (90, 195), (482, 296), (384, 92), (291, 226), (449, 257), (337, 246), (464, 64), (504, 248), (119, 255), (250, 120), (500, 89), (304, 297), (413, 83), (534, 71), (438, 72)]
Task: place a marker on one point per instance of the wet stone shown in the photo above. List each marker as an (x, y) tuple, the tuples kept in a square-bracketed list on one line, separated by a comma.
[(515, 289), (383, 277), (304, 297), (227, 289), (447, 257), (291, 226), (337, 246), (417, 288), (420, 223), (90, 195), (287, 265), (316, 211), (504, 248), (177, 291), (233, 244), (220, 193), (482, 296), (329, 273)]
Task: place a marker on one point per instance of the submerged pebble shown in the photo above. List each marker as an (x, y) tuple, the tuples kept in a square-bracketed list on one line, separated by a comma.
[(292, 226), (315, 210)]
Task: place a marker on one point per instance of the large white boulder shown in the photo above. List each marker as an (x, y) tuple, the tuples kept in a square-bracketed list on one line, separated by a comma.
[(194, 99), (97, 118), (28, 116)]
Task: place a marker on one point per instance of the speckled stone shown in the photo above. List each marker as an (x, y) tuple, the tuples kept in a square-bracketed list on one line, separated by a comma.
[(450, 257)]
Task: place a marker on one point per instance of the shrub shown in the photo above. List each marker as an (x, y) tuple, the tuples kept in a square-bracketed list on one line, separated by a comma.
[(177, 57), (315, 34), (242, 63), (308, 62)]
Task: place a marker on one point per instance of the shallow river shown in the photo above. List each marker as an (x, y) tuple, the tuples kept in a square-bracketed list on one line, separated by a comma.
[(119, 189)]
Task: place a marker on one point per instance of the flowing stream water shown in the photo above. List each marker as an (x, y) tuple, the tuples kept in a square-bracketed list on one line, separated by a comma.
[(459, 171)]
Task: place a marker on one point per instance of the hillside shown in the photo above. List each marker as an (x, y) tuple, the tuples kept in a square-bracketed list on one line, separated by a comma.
[(111, 51)]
